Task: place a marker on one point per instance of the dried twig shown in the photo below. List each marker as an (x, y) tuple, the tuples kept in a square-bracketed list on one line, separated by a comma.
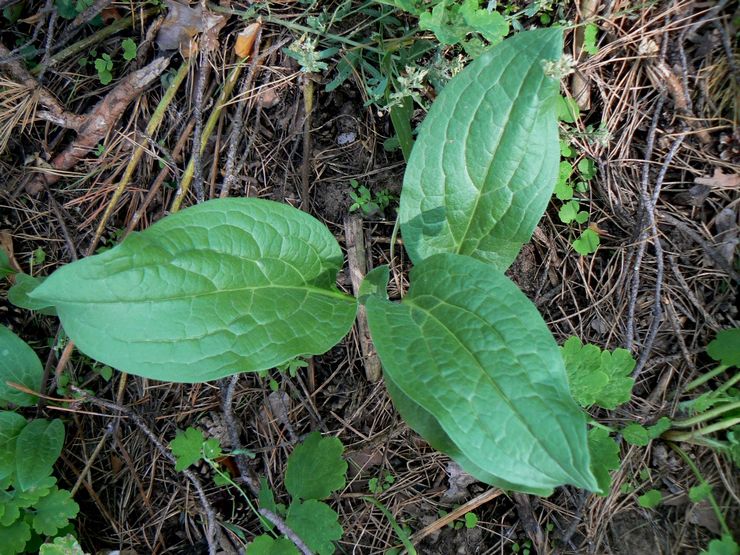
[(213, 532), (99, 121), (227, 405), (286, 531)]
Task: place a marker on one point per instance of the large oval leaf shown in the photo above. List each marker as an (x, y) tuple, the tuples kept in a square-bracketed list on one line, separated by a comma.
[(37, 448), (471, 350), (229, 285), (18, 364), (486, 159)]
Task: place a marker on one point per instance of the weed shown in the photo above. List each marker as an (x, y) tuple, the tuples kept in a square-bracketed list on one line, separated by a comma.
[(104, 67), (129, 49), (364, 200)]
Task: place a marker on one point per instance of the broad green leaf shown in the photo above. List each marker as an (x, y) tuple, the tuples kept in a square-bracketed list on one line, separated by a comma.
[(726, 545), (187, 447), (650, 499), (316, 468), (54, 511), (485, 161), (725, 348), (66, 545), (587, 242), (19, 295), (18, 364), (598, 377), (229, 285), (265, 545), (316, 524), (429, 428), (589, 38), (11, 425), (604, 457), (472, 351), (700, 492), (641, 436), (37, 448), (14, 537)]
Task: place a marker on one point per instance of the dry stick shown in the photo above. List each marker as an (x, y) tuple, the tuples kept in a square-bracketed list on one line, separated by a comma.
[(306, 165), (56, 113), (227, 406), (200, 86), (660, 266), (212, 530), (580, 84), (238, 120), (471, 505), (151, 128), (49, 38), (99, 121), (635, 285), (88, 42), (354, 240), (286, 531), (161, 176), (187, 177)]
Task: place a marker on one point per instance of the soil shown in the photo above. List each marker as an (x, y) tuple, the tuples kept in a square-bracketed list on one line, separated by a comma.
[(130, 497)]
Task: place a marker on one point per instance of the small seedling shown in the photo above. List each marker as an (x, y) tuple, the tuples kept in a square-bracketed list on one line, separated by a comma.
[(104, 67), (590, 32), (129, 49), (376, 485), (650, 499)]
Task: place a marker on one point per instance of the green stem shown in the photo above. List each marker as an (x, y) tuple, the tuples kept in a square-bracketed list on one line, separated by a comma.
[(708, 415), (686, 436), (403, 536), (703, 482), (728, 384), (705, 378)]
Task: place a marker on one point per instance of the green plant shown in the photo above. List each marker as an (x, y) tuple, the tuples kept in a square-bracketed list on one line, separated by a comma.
[(573, 178), (104, 67), (315, 470), (260, 276), (32, 507), (364, 200), (650, 499), (376, 485), (129, 49)]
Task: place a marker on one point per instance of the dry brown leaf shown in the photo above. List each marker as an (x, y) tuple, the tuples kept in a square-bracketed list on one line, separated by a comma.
[(180, 25), (245, 40), (720, 180), (6, 245)]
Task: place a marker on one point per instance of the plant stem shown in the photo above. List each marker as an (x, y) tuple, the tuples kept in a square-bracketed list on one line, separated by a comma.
[(403, 536), (705, 378), (686, 436), (708, 415), (703, 482)]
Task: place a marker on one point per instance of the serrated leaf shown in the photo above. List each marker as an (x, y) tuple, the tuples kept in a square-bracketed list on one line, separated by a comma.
[(18, 364), (54, 511), (265, 545), (229, 285), (187, 447), (700, 492), (604, 457), (469, 348), (11, 425), (489, 23), (725, 348), (598, 377), (316, 524), (723, 546), (66, 545), (641, 436), (316, 468), (589, 38), (650, 499), (14, 537), (129, 49), (485, 162), (36, 450)]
